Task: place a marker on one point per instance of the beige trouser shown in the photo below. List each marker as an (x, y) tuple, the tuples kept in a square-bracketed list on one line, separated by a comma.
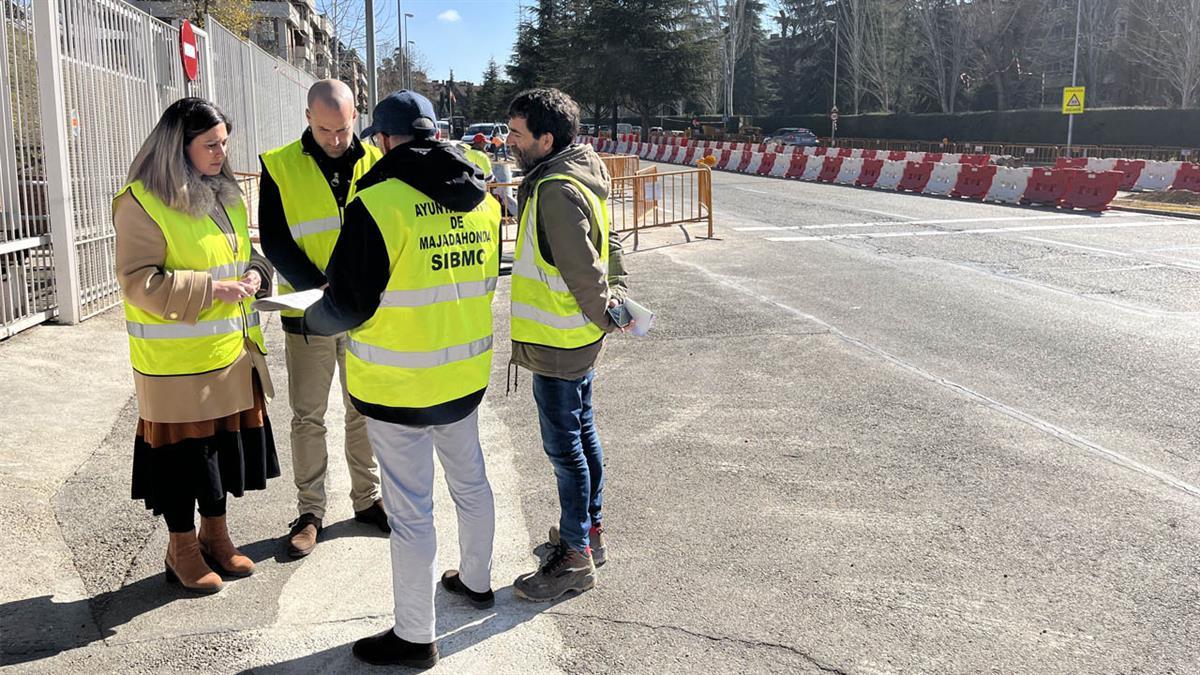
[(310, 374)]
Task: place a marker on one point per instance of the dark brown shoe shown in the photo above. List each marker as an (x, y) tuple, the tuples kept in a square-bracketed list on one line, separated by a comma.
[(374, 515), (302, 538)]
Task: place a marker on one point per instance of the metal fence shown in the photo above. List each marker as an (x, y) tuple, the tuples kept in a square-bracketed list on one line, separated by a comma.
[(26, 260), (263, 96), (82, 82)]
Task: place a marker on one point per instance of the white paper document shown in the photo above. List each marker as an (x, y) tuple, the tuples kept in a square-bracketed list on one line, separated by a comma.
[(643, 317), (300, 300)]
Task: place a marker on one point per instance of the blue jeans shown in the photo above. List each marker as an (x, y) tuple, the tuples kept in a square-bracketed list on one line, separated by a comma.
[(570, 440)]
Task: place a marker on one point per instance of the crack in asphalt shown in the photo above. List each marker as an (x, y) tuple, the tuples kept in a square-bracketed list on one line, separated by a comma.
[(824, 667)]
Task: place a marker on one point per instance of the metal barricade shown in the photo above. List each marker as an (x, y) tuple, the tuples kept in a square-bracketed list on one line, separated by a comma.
[(26, 257), (620, 166), (645, 199), (653, 198)]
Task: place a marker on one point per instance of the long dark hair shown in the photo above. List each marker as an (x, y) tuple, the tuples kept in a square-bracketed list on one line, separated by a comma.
[(162, 164)]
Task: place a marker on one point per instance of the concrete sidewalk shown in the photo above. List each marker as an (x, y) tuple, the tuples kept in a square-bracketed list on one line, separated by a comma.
[(84, 561)]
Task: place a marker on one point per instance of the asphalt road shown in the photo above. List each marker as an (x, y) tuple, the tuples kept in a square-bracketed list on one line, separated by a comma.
[(870, 433)]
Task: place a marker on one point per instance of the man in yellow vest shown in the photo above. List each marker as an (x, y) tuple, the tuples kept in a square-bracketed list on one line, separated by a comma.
[(566, 274), (412, 278), (305, 187), (476, 152)]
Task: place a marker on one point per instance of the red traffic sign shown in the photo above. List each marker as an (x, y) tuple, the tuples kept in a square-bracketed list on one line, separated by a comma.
[(189, 53)]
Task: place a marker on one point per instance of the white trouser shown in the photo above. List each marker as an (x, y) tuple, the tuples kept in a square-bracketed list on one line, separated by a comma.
[(405, 456)]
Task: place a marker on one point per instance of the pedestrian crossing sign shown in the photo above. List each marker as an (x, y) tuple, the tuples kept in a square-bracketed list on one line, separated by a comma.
[(1073, 100)]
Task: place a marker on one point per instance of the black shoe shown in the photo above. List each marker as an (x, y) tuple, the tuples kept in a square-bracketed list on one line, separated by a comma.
[(374, 515), (453, 583), (386, 649)]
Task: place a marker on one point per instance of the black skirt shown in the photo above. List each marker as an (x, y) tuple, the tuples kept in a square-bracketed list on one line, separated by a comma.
[(204, 469)]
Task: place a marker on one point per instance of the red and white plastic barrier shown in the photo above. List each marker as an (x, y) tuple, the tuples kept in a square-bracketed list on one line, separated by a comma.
[(1083, 183)]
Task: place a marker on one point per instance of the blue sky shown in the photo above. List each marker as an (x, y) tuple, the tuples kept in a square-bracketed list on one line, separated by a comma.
[(458, 34)]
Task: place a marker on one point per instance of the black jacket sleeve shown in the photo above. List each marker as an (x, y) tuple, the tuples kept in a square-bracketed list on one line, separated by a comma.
[(277, 243), (358, 275)]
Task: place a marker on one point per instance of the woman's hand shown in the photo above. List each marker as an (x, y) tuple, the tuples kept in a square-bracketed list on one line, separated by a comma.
[(231, 291), (252, 281)]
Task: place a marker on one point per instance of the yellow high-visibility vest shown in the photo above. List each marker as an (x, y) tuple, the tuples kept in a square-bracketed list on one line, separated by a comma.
[(313, 216), (161, 345), (430, 341), (478, 157), (544, 312)]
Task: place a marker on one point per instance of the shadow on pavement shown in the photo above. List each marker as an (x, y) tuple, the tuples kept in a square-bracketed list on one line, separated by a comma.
[(459, 627), (276, 547), (38, 628)]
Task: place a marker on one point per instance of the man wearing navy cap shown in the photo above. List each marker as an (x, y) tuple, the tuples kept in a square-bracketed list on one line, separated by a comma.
[(412, 279)]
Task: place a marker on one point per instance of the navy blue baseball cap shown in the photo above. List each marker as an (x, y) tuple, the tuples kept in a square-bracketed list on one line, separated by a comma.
[(403, 113)]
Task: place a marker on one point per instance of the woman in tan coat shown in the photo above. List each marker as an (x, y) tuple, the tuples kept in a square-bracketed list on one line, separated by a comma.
[(188, 274)]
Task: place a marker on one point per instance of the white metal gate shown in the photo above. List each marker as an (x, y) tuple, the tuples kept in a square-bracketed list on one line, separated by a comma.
[(105, 71), (26, 262)]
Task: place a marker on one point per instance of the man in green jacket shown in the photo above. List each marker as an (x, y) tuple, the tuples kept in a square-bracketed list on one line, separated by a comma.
[(567, 273)]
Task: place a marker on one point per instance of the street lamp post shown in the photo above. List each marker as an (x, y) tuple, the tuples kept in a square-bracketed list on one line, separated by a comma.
[(407, 56), (371, 86), (837, 40), (408, 59), (400, 46), (1074, 74)]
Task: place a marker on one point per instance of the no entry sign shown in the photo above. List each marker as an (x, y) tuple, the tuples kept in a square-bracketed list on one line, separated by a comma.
[(189, 53)]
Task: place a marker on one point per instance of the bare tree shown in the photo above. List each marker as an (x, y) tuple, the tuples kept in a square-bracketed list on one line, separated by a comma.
[(349, 20), (1102, 44), (729, 19), (1167, 42), (852, 25), (945, 42)]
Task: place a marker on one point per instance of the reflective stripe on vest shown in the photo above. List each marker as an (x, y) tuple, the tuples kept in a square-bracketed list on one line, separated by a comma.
[(544, 311), (386, 357), (170, 331), (311, 227), (430, 296), (234, 270), (524, 311)]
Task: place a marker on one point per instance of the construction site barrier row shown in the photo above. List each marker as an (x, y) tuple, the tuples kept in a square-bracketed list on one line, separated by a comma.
[(1086, 183), (656, 150)]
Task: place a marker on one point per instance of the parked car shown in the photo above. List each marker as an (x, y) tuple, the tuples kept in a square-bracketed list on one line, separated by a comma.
[(636, 130), (793, 136), (624, 129), (443, 130), (488, 129), (656, 131), (587, 129)]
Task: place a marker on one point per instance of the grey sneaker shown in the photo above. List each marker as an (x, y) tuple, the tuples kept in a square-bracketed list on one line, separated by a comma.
[(564, 571), (596, 541)]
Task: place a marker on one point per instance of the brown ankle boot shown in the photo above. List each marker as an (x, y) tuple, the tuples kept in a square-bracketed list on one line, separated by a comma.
[(216, 545), (186, 566)]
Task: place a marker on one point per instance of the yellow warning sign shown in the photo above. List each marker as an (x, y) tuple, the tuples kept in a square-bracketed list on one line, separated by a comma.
[(1073, 100)]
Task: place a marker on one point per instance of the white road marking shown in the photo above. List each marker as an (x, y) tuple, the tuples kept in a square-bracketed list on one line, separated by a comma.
[(885, 213), (746, 189), (1169, 262), (985, 230), (1061, 433), (944, 221)]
